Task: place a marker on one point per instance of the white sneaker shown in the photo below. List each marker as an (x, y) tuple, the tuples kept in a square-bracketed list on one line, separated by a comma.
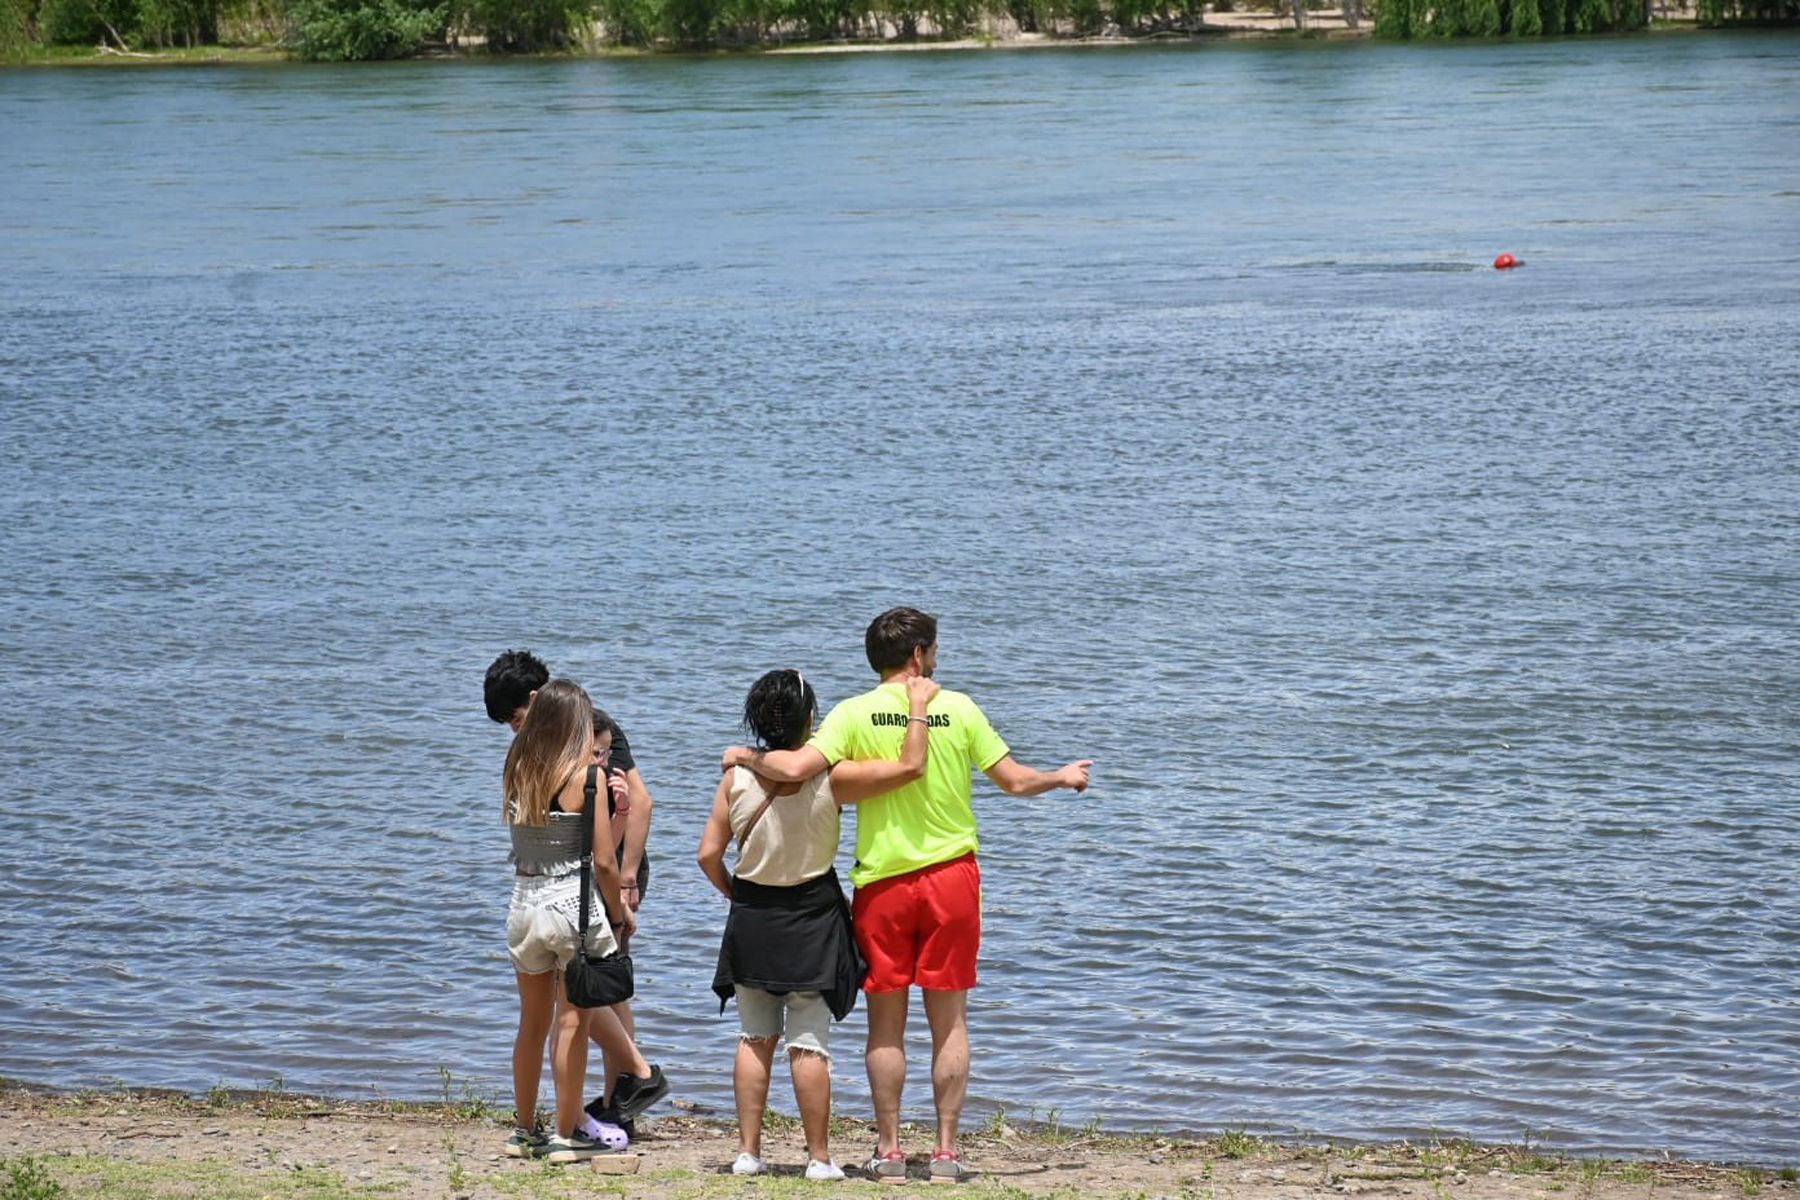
[(821, 1169), (748, 1164)]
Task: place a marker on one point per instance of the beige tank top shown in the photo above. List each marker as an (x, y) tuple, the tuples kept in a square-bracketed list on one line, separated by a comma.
[(794, 841)]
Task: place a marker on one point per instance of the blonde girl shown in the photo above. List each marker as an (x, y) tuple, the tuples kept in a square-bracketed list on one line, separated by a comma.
[(546, 772)]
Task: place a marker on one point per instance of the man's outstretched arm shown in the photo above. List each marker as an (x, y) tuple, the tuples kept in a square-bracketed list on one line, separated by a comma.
[(1016, 779)]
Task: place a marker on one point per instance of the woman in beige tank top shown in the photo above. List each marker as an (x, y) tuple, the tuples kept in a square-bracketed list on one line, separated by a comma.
[(788, 955)]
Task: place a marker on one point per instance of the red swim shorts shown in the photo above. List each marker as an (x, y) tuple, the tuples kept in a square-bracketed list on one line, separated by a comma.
[(922, 927)]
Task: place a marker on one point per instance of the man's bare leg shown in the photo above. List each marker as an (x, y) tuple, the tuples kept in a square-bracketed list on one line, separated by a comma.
[(947, 1013), (885, 1057)]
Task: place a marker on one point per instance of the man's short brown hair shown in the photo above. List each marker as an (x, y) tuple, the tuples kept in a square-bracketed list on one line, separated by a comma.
[(892, 637)]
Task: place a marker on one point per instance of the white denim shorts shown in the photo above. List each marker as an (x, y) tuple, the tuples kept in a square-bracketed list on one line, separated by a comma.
[(805, 1016), (542, 919)]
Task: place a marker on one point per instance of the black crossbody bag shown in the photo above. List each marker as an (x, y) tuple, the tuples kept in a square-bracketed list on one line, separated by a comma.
[(594, 980)]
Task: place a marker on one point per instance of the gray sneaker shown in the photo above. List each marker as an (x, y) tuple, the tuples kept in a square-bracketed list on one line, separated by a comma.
[(886, 1168), (576, 1147), (526, 1143), (949, 1168)]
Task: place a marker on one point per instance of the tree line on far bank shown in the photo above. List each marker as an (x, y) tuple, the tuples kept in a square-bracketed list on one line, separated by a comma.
[(375, 29)]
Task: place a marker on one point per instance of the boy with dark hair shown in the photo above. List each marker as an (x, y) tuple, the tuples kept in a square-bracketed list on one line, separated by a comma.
[(512, 679), (917, 908)]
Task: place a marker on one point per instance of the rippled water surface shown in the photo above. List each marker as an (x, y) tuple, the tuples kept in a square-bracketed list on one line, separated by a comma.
[(1433, 627)]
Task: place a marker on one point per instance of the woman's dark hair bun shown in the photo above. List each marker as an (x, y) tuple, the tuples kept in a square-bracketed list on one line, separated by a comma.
[(778, 712)]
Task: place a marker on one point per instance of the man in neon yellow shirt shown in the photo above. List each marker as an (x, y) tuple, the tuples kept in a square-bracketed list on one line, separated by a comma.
[(918, 888)]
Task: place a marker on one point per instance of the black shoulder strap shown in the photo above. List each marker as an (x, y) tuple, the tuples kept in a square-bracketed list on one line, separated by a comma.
[(587, 852)]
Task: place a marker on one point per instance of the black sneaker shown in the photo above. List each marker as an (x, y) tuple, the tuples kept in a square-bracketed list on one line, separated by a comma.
[(632, 1095)]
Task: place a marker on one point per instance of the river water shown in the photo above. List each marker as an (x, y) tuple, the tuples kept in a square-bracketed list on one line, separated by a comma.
[(1433, 628)]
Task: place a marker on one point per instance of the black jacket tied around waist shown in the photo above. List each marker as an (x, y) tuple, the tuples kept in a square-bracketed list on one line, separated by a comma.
[(791, 939)]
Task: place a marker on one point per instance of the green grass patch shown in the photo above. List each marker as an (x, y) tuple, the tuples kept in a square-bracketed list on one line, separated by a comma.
[(463, 1102), (27, 1178), (89, 1177), (1237, 1143)]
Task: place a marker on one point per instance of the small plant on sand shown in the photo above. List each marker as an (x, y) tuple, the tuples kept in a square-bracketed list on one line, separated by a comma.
[(1526, 1161), (25, 1178), (1788, 1174), (1237, 1143), (463, 1101), (218, 1095), (996, 1126), (459, 1178), (779, 1122), (1751, 1180), (1635, 1172)]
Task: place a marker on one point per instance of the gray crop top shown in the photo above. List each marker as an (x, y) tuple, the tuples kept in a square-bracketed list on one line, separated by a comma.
[(553, 848)]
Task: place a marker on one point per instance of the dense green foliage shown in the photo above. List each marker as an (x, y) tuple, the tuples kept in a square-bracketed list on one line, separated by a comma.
[(525, 24), (15, 27), (372, 29), (1756, 12), (133, 22), (351, 30), (1401, 19)]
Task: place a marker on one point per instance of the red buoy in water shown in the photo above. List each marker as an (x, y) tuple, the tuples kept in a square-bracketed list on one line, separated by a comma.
[(1505, 262)]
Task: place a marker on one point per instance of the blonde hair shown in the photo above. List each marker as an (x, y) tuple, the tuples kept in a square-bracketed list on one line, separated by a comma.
[(555, 740)]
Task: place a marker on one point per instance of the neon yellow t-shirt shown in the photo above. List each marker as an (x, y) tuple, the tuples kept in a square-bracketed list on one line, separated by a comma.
[(926, 822)]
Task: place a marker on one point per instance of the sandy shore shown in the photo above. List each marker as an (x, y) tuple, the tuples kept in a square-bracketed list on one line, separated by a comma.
[(147, 1146)]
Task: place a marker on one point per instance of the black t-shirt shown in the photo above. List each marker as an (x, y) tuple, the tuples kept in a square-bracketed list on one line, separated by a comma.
[(622, 760)]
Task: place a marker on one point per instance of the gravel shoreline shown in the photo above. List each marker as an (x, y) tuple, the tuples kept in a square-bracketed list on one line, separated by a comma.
[(270, 1146)]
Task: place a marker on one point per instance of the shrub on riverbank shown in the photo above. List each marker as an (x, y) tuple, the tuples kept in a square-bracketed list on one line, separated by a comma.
[(355, 30)]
